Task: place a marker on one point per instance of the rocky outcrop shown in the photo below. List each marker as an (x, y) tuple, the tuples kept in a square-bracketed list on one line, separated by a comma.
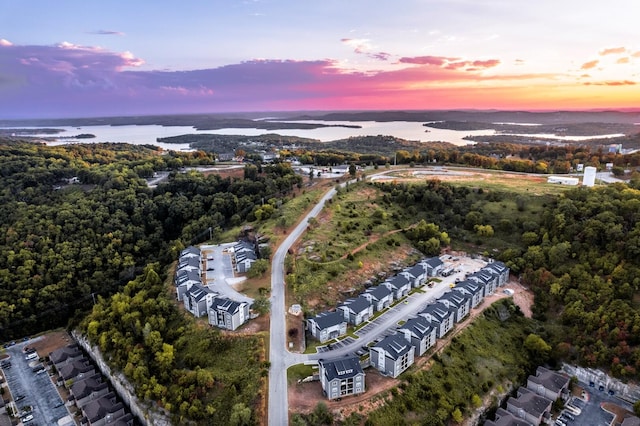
[(143, 411)]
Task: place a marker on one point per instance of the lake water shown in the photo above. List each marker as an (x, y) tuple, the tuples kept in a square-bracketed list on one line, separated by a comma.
[(147, 134)]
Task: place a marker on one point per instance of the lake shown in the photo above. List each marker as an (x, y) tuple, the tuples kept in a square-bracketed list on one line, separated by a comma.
[(147, 134)]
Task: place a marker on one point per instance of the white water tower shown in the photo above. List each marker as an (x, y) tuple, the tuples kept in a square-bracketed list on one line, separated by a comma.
[(589, 178)]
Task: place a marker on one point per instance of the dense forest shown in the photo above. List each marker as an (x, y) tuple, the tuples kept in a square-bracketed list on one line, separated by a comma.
[(66, 243), (579, 252)]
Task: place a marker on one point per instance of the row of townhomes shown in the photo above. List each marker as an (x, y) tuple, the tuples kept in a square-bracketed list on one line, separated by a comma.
[(200, 300), (92, 396), (533, 403), (395, 353)]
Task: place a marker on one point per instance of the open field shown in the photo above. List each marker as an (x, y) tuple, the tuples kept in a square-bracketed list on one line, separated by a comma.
[(478, 178)]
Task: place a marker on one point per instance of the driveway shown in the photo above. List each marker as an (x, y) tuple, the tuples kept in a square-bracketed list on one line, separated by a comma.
[(219, 274)]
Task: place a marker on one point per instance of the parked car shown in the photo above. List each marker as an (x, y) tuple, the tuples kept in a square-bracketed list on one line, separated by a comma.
[(27, 419)]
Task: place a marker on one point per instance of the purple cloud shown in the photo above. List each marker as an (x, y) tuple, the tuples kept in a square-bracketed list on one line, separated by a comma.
[(106, 32)]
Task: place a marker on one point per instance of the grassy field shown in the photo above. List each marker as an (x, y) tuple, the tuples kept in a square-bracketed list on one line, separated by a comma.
[(353, 240)]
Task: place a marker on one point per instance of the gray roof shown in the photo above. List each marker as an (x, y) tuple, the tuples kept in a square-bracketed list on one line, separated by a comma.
[(438, 310), (434, 262), (187, 275), (191, 250), (398, 281), (456, 298), (73, 369), (395, 346), (98, 409), (379, 292), (62, 354), (227, 305), (417, 270), (531, 402), (498, 267), (470, 286), (419, 326), (87, 386), (358, 304), (341, 368), (551, 380), (328, 319), (199, 292), (505, 418), (194, 262)]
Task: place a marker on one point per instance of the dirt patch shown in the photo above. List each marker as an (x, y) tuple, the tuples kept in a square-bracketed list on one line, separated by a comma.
[(303, 397), (619, 412), (522, 297), (51, 341)]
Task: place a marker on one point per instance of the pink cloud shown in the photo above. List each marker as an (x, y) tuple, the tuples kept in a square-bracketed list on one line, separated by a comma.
[(624, 60), (636, 54), (427, 60), (612, 51), (4, 42), (589, 65)]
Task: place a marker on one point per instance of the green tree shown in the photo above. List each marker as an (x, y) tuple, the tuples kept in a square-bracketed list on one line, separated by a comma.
[(352, 170), (258, 268), (261, 305), (240, 415)]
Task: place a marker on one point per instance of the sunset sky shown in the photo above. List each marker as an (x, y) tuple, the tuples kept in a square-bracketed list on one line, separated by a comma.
[(73, 58)]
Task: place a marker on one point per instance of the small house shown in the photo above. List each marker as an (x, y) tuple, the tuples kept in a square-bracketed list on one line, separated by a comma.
[(228, 314)]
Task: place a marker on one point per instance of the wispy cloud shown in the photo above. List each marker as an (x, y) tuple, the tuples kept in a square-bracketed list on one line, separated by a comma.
[(589, 65), (106, 32), (623, 60), (613, 51), (611, 83), (4, 42)]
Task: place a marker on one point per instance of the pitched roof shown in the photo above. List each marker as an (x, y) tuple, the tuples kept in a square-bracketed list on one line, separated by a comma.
[(62, 354), (395, 346), (505, 418), (198, 292), (183, 276), (191, 250), (341, 368), (417, 269), (358, 304), (419, 327), (185, 262), (378, 292), (87, 386), (456, 298), (434, 262), (226, 305), (75, 368), (328, 319), (398, 281), (498, 267), (469, 286), (551, 380), (438, 310), (98, 409), (531, 402)]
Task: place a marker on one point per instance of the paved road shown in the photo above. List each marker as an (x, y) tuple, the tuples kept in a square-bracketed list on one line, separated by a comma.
[(279, 356)]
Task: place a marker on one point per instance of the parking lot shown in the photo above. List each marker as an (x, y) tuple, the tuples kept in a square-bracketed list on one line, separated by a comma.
[(592, 413), (219, 275), (31, 386)]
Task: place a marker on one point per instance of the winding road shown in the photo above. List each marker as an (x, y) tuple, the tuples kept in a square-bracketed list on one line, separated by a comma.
[(279, 356)]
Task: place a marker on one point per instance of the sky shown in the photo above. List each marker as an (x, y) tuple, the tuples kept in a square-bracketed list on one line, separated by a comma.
[(87, 58)]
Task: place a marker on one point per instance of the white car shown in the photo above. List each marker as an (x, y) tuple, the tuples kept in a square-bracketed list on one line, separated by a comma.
[(27, 419)]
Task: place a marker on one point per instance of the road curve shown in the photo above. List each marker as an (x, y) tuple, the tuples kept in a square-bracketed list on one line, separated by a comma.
[(279, 357)]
